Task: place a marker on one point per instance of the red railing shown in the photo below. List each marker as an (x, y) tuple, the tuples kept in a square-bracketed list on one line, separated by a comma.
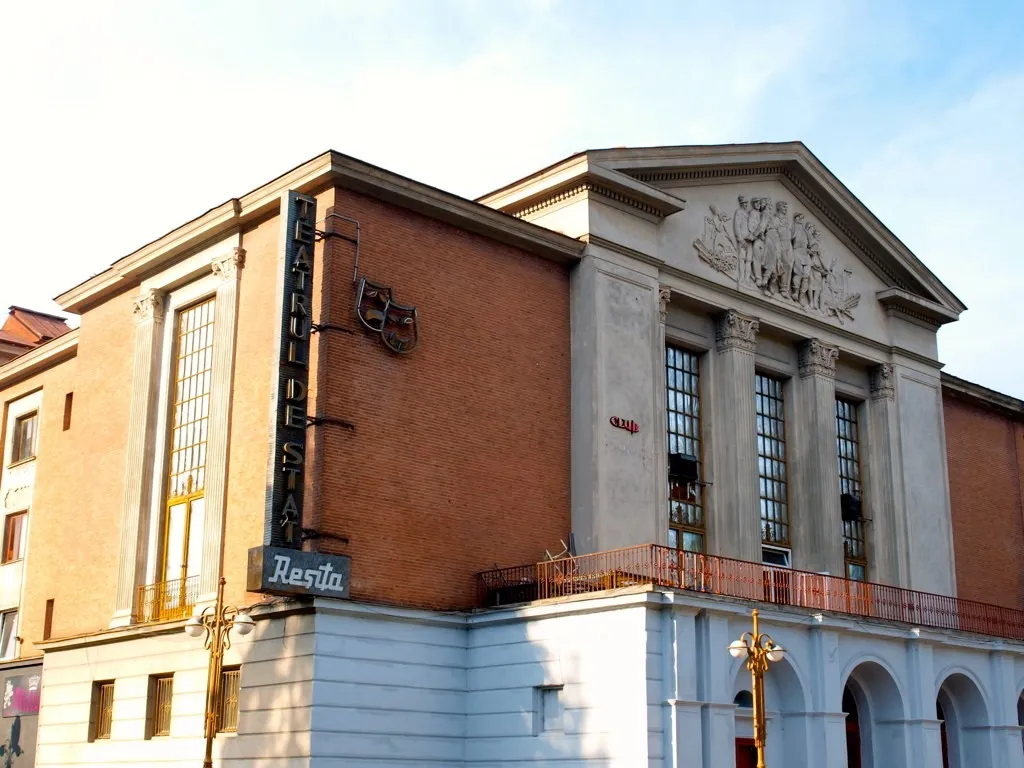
[(666, 567)]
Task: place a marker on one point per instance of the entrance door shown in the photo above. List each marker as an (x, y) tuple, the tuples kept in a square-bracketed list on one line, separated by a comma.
[(746, 753), (852, 729)]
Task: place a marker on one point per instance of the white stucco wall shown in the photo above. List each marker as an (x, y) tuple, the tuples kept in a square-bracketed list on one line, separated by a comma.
[(634, 678)]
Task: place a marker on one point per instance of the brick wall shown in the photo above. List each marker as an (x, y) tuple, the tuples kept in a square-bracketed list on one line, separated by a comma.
[(986, 480), (460, 454)]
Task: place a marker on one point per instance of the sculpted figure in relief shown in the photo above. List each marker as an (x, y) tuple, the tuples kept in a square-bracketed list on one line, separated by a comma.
[(780, 257)]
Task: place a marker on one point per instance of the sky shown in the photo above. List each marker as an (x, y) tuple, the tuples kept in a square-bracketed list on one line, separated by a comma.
[(119, 121)]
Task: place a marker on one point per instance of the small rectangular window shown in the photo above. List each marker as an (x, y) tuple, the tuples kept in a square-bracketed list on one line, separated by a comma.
[(8, 634), (548, 709), (24, 447), (230, 686), (158, 716), (102, 710), (14, 526), (68, 399), (48, 620)]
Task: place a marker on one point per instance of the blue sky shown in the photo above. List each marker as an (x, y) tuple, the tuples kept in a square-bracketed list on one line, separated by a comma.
[(123, 120)]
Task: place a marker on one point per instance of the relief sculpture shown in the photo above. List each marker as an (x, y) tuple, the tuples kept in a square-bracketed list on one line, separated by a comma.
[(761, 247)]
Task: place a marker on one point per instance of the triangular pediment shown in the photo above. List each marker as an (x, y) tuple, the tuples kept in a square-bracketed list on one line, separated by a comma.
[(794, 211)]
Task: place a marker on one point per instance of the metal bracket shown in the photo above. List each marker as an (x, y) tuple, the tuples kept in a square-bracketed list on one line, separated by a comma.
[(315, 421), (318, 327), (309, 533)]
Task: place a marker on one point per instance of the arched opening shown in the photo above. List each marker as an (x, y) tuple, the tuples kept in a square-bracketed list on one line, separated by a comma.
[(852, 729), (965, 724), (1020, 718), (875, 728), (786, 717)]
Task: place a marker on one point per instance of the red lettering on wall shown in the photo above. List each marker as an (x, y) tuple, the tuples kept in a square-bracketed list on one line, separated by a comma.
[(630, 426)]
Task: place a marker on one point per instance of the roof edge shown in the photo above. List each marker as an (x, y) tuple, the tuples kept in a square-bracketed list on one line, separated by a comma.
[(1007, 405), (318, 173), (38, 359)]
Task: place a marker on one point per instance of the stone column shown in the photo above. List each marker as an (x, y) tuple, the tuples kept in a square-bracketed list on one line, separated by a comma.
[(1005, 732), (681, 709), (924, 741), (826, 722), (883, 498), (138, 483), (661, 418), (735, 528), (229, 269), (814, 473), (715, 690)]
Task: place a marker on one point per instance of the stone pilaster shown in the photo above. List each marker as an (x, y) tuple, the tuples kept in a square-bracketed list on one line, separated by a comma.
[(886, 533), (229, 269), (924, 741), (734, 529), (138, 484), (1006, 733), (661, 416), (814, 473)]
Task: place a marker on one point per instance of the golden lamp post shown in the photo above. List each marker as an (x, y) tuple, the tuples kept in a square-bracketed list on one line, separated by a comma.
[(216, 623), (759, 650)]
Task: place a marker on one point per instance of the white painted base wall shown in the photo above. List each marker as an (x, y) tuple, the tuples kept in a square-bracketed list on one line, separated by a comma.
[(629, 679)]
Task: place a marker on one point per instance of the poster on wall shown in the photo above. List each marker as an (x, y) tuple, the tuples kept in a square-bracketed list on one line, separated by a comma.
[(21, 695)]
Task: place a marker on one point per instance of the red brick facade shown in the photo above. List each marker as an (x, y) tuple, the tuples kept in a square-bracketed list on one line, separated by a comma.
[(985, 449), (459, 457)]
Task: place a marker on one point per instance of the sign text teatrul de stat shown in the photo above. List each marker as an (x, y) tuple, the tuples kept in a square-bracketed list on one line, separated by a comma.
[(283, 520), (287, 571)]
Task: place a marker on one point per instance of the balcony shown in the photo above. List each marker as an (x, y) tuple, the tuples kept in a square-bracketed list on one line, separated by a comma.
[(167, 600), (660, 566)]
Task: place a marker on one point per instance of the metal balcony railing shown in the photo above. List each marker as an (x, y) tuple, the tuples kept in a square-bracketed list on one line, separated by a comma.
[(652, 564), (167, 600)]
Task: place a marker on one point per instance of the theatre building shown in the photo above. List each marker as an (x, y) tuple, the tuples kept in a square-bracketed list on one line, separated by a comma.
[(499, 481)]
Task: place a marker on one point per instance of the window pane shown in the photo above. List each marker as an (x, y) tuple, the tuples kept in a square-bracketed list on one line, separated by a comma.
[(24, 447), (848, 457), (13, 527), (686, 503), (229, 690), (163, 692), (190, 414), (8, 634), (771, 447), (103, 694)]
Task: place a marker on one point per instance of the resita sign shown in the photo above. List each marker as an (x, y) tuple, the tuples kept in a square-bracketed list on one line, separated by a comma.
[(279, 566)]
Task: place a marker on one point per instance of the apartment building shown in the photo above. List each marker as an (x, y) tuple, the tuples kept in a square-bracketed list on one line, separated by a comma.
[(380, 411)]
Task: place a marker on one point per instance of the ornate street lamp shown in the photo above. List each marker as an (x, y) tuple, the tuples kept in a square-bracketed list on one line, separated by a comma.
[(216, 623), (759, 650)]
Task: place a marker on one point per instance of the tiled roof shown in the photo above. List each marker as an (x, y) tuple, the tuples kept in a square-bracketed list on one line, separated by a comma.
[(40, 325)]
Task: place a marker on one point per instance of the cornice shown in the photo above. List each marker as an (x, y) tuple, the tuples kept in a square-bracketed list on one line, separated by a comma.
[(312, 177), (990, 399), (593, 180), (899, 302), (39, 359)]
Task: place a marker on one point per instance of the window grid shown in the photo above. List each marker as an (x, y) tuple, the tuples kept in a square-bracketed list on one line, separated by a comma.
[(163, 693), (25, 428), (769, 407), (13, 527), (104, 710), (686, 503), (191, 413), (848, 456), (230, 681)]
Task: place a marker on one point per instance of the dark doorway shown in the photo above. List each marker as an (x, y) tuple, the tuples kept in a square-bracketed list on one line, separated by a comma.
[(746, 753), (941, 716), (852, 729)]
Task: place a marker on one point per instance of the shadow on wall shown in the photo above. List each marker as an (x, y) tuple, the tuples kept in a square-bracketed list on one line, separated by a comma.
[(272, 702)]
